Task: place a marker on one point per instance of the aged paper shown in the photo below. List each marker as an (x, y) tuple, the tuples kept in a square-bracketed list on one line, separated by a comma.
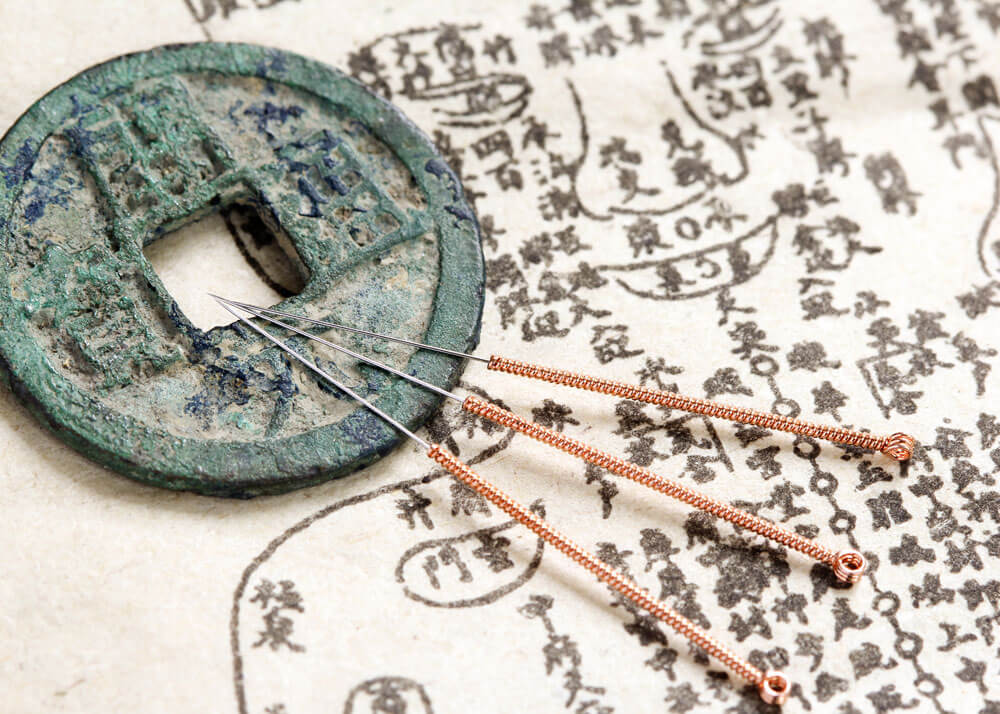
[(786, 205)]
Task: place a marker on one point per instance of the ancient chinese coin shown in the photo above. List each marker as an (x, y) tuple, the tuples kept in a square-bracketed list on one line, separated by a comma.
[(349, 192)]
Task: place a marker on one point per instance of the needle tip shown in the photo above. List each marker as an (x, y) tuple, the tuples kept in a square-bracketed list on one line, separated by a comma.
[(223, 300)]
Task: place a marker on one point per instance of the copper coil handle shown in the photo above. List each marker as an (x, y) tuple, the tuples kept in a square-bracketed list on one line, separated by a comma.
[(772, 686), (847, 565), (898, 446)]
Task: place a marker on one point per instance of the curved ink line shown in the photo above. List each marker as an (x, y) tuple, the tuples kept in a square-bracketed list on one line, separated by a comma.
[(492, 595), (995, 203), (713, 48), (578, 164), (751, 273), (752, 233), (421, 692), (734, 144), (659, 211), (513, 107), (234, 616)]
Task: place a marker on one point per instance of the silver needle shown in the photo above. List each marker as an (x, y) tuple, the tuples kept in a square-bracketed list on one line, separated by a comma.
[(335, 382), (409, 377), (326, 323), (898, 445)]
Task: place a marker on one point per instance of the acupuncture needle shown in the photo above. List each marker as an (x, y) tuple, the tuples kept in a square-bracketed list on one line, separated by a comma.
[(847, 565), (772, 686), (898, 445)]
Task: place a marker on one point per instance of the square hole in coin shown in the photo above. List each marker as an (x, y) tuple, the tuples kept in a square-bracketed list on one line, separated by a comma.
[(233, 253)]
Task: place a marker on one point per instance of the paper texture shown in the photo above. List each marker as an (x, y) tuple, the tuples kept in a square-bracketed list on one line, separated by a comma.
[(781, 205)]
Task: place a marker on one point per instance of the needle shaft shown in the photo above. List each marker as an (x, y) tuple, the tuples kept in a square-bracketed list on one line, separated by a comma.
[(333, 380), (848, 565), (898, 445), (356, 330), (772, 686), (344, 350)]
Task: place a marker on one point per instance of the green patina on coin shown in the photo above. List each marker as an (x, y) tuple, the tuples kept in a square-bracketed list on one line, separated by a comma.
[(139, 146)]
